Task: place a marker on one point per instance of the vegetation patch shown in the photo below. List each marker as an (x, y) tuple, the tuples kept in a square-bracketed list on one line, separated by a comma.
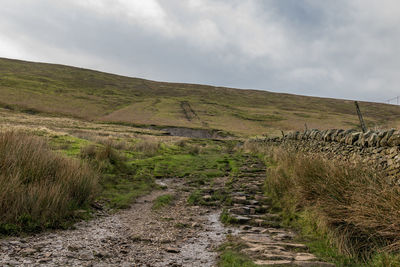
[(350, 207), (40, 188), (121, 181), (230, 255), (163, 201), (195, 198), (226, 218), (230, 258)]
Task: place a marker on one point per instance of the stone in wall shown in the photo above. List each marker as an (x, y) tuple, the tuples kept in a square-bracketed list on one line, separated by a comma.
[(385, 137), (372, 140), (352, 138), (394, 140)]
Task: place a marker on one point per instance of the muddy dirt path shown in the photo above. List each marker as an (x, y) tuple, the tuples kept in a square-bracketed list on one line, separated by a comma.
[(176, 235)]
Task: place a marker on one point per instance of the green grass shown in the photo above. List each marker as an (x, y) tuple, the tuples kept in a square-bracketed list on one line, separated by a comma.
[(230, 255), (318, 241), (170, 161), (128, 173), (162, 201), (56, 89), (68, 145), (120, 191), (231, 258), (226, 218), (195, 198)]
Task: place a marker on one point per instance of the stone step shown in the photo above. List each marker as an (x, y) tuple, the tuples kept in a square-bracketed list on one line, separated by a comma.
[(272, 262), (312, 264), (238, 193), (304, 257), (291, 245), (243, 210), (251, 229), (240, 219), (266, 216), (251, 175), (240, 200), (255, 171), (253, 202), (262, 209), (283, 236), (262, 199), (253, 189), (259, 209), (264, 223)]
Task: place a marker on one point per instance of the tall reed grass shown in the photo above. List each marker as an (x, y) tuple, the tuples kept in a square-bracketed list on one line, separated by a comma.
[(353, 204), (38, 187)]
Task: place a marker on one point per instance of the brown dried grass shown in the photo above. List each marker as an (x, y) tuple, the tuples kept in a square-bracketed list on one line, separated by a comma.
[(356, 203), (38, 186), (148, 147)]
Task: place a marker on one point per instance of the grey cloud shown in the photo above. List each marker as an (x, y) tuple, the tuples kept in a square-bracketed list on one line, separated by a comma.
[(342, 49)]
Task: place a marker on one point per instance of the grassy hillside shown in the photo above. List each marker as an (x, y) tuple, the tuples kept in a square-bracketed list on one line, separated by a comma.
[(87, 94)]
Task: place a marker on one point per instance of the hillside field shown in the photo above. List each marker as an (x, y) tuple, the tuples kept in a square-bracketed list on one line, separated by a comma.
[(97, 96)]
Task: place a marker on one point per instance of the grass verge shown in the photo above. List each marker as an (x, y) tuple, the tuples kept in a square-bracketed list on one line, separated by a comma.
[(347, 212)]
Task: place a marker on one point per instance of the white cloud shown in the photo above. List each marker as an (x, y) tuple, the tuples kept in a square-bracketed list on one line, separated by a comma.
[(8, 48), (146, 13)]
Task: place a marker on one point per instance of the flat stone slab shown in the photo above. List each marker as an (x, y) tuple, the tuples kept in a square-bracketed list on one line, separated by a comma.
[(241, 219), (277, 256), (241, 210), (239, 199), (290, 245), (257, 238), (313, 264), (272, 262), (305, 257)]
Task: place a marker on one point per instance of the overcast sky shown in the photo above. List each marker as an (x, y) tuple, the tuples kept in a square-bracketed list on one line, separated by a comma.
[(338, 48)]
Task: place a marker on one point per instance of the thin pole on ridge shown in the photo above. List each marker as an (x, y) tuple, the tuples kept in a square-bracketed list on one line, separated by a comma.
[(360, 117)]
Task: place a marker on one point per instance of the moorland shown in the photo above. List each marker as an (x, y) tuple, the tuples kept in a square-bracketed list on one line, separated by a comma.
[(90, 175)]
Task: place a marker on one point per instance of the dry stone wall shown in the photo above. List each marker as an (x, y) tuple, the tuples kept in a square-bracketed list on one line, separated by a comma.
[(376, 148)]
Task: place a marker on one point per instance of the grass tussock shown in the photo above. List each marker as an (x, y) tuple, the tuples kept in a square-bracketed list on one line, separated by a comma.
[(353, 204), (112, 143), (231, 256), (163, 201), (39, 188), (147, 147), (103, 157)]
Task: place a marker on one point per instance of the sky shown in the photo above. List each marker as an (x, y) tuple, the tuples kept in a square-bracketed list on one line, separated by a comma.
[(341, 48)]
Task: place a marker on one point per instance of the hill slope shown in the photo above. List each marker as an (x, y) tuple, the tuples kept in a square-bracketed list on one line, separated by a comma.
[(100, 96)]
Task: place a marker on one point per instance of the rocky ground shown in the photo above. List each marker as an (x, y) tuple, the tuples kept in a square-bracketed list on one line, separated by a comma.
[(176, 235), (140, 236)]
